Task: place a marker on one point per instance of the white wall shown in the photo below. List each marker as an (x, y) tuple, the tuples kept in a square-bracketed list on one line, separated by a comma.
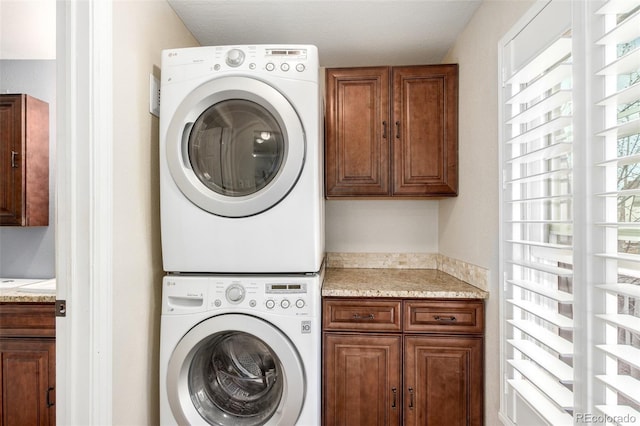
[(468, 225), (29, 252), (141, 30), (367, 226)]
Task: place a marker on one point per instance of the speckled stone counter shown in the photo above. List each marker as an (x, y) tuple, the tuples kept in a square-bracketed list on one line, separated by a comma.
[(14, 296), (404, 283)]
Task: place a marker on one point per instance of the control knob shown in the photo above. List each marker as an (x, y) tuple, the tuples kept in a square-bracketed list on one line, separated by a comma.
[(235, 293), (235, 57)]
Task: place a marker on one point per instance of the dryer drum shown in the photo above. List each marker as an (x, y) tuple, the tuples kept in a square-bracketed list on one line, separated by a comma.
[(237, 373)]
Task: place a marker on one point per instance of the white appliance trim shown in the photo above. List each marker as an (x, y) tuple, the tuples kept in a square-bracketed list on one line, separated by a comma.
[(84, 229)]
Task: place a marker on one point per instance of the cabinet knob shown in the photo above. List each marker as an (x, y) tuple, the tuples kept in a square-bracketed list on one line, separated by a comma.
[(397, 130), (384, 130), (394, 391), (14, 162)]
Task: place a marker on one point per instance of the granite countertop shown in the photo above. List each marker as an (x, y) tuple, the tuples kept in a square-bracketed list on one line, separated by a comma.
[(401, 283), (14, 296), (28, 291)]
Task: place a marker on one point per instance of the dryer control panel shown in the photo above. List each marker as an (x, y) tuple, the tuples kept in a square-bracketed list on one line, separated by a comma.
[(299, 62)]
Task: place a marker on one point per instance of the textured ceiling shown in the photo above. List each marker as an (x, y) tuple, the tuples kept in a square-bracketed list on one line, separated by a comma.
[(347, 32)]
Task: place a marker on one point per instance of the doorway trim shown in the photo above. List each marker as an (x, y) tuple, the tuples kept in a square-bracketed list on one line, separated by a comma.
[(84, 212)]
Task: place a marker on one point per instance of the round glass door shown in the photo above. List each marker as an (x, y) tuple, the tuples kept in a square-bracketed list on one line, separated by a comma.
[(246, 375), (235, 147)]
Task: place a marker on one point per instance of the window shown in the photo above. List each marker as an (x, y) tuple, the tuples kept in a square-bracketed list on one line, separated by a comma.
[(570, 214)]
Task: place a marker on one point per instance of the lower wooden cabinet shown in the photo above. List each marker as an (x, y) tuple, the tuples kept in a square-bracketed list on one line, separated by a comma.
[(426, 376), (27, 364), (362, 378)]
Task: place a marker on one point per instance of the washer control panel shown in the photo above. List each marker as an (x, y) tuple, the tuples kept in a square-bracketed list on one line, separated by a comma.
[(290, 298), (290, 295)]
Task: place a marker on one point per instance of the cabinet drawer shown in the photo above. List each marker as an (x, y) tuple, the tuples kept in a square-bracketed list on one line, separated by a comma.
[(370, 315), (27, 319), (444, 316)]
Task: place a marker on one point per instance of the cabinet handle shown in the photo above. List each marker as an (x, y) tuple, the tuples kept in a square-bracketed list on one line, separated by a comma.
[(49, 403), (394, 391), (444, 319), (397, 130), (14, 163), (411, 398), (384, 130), (365, 317)]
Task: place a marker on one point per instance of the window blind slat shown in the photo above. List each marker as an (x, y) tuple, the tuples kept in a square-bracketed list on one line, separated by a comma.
[(548, 338), (548, 152), (631, 290), (547, 315), (623, 96), (621, 130), (557, 295), (625, 321), (548, 128), (622, 412), (553, 54), (549, 411), (552, 364), (542, 107), (550, 269), (558, 72), (615, 7), (540, 379), (625, 353), (626, 385), (538, 177), (629, 29)]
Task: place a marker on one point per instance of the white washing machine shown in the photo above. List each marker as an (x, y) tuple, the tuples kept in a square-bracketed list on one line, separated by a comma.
[(241, 137), (240, 350)]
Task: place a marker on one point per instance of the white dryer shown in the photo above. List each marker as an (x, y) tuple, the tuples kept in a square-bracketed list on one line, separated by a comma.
[(241, 184), (240, 350)]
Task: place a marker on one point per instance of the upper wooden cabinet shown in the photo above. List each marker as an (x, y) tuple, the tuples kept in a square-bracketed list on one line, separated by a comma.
[(392, 131), (24, 161)]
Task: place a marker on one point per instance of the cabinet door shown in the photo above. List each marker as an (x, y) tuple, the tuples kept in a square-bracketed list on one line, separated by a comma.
[(24, 161), (425, 114), (362, 376), (357, 132), (443, 380), (27, 374), (11, 154)]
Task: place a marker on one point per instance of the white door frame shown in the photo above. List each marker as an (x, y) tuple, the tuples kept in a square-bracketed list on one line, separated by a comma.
[(84, 212)]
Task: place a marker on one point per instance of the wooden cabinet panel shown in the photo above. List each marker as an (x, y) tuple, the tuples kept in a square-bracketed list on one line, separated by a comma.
[(443, 380), (27, 374), (425, 110), (357, 143), (24, 161), (27, 364), (372, 315), (444, 316), (362, 379), (392, 131), (421, 372)]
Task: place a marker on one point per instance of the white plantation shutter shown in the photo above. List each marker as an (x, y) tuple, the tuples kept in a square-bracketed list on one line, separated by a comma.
[(617, 294), (570, 214), (537, 217)]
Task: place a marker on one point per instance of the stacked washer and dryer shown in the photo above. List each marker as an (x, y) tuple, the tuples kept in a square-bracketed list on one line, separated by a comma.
[(242, 218)]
